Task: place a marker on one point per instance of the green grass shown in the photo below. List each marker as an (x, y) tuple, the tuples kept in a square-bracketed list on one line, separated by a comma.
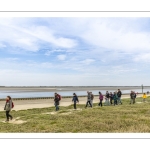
[(113, 119)]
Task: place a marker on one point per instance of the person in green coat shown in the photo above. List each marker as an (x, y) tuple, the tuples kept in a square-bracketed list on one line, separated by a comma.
[(115, 98)]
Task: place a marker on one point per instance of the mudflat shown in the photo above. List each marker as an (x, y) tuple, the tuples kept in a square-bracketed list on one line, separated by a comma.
[(68, 88)]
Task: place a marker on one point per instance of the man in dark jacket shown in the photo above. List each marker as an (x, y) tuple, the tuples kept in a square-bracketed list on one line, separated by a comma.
[(75, 100), (132, 97), (56, 101), (119, 96)]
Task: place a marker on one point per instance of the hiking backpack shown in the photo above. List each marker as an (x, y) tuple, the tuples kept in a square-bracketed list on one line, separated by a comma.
[(92, 96), (59, 97)]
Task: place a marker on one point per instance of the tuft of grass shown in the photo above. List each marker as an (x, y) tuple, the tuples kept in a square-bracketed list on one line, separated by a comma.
[(126, 118)]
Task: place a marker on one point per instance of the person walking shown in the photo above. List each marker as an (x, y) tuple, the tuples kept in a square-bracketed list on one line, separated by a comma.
[(101, 99), (107, 98), (119, 93), (92, 98), (88, 99), (144, 97), (111, 98), (132, 97), (7, 108), (75, 100), (115, 98), (56, 101)]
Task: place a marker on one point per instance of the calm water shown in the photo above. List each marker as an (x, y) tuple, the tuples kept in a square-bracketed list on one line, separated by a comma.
[(15, 94)]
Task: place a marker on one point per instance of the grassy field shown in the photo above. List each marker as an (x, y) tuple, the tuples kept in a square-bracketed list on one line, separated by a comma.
[(107, 119)]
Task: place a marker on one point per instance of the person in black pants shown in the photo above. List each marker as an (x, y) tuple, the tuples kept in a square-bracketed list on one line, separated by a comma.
[(115, 98), (101, 99), (8, 107), (111, 98), (56, 101), (75, 100), (88, 100), (119, 93), (8, 115)]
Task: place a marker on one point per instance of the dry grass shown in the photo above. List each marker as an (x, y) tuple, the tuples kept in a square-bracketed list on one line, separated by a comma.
[(115, 119)]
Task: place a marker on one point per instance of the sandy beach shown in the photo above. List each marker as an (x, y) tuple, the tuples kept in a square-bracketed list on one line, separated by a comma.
[(42, 103)]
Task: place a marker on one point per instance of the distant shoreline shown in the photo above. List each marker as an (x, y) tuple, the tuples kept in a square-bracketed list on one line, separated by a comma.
[(61, 86), (67, 88)]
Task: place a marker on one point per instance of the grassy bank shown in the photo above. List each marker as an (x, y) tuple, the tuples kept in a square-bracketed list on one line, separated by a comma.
[(123, 118)]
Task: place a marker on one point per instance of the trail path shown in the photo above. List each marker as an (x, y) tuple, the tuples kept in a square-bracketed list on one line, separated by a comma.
[(43, 103)]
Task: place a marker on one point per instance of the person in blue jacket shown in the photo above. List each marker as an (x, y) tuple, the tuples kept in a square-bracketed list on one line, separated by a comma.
[(75, 100)]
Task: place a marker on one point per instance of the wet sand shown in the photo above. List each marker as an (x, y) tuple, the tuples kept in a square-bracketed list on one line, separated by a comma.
[(43, 103)]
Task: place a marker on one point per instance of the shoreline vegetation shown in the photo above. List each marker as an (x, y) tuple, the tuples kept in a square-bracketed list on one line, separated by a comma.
[(126, 118)]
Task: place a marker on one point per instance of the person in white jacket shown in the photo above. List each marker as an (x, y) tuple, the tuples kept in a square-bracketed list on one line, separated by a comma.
[(8, 107)]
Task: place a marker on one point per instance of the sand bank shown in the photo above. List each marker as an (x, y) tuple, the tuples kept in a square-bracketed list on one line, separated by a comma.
[(63, 88)]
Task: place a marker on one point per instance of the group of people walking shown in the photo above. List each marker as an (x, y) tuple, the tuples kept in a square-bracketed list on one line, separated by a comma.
[(110, 99)]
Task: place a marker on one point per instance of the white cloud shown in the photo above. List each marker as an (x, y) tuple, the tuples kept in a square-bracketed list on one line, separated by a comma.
[(29, 38), (47, 35), (61, 57), (87, 61), (88, 47), (102, 36), (143, 57), (18, 39), (49, 52), (9, 71), (2, 45)]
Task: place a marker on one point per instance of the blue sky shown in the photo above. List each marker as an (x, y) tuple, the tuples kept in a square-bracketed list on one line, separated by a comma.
[(74, 51)]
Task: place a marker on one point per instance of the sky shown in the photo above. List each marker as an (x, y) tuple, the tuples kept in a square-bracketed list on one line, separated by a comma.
[(53, 51)]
